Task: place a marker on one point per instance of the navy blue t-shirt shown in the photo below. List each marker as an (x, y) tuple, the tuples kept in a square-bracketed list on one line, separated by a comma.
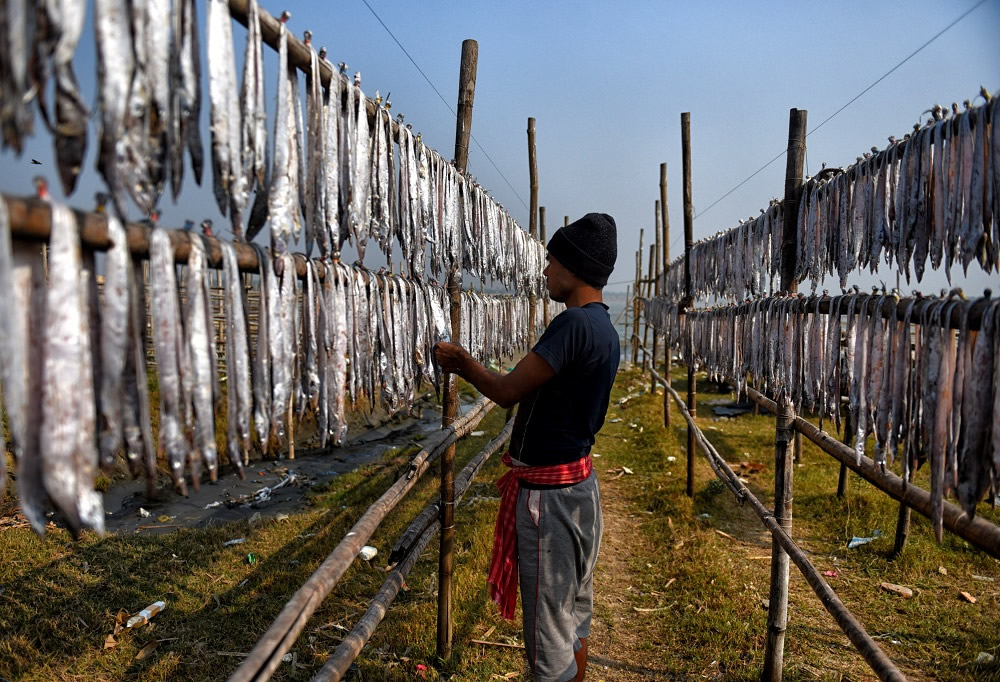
[(557, 423)]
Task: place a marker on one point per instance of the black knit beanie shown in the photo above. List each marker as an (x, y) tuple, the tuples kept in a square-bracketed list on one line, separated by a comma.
[(587, 247)]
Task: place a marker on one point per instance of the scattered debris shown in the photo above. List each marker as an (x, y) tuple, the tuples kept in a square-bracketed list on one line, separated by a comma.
[(110, 642), (751, 467), (213, 505), (502, 645), (724, 534), (967, 597), (143, 513), (857, 541), (145, 651), (263, 494), (281, 517), (984, 658), (237, 541), (904, 592), (831, 574), (658, 608), (477, 434), (614, 421), (984, 578), (146, 614), (671, 458), (704, 515), (367, 552), (255, 518), (942, 570), (251, 558)]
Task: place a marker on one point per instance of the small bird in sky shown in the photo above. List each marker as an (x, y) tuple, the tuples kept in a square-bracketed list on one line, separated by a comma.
[(36, 162)]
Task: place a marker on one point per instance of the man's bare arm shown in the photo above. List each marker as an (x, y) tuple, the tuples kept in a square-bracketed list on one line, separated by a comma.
[(506, 390)]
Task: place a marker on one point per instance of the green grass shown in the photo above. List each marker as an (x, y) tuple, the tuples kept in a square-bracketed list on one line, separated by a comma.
[(59, 598)]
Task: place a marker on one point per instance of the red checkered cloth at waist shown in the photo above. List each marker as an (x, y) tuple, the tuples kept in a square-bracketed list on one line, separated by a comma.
[(503, 563)]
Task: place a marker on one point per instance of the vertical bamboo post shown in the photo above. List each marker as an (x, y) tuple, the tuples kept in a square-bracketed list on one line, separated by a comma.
[(463, 127), (648, 288), (665, 222), (777, 614), (692, 396), (842, 479), (635, 302), (655, 286), (795, 160), (565, 220), (541, 236), (625, 322), (533, 220), (903, 520)]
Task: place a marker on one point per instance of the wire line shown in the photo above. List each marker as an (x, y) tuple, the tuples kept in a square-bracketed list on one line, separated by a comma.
[(413, 61), (850, 102)]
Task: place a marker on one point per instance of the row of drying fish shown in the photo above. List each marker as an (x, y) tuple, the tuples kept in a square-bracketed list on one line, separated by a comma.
[(349, 183), (913, 381), (149, 90), (734, 264), (497, 327), (332, 171), (73, 367), (935, 195)]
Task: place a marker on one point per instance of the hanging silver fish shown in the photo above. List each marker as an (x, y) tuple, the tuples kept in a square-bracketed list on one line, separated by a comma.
[(228, 180), (238, 387), (185, 101), (67, 443), (283, 204), (114, 340), (170, 353), (16, 116)]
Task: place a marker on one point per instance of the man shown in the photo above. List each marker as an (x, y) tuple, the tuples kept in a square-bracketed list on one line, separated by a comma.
[(549, 527)]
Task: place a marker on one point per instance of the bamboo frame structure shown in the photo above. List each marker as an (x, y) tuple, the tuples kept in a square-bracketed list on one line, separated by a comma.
[(859, 637), (265, 657), (412, 543)]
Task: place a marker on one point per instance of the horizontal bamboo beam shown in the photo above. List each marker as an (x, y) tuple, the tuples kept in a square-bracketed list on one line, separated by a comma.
[(31, 219), (976, 530), (413, 542), (265, 657), (856, 633)]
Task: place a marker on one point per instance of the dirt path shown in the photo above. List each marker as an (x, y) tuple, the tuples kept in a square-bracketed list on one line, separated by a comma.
[(623, 644)]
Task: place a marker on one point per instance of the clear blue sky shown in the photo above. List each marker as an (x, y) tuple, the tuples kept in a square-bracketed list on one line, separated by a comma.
[(607, 84)]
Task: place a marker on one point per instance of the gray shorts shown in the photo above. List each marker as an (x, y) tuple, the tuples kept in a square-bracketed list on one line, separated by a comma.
[(558, 537)]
